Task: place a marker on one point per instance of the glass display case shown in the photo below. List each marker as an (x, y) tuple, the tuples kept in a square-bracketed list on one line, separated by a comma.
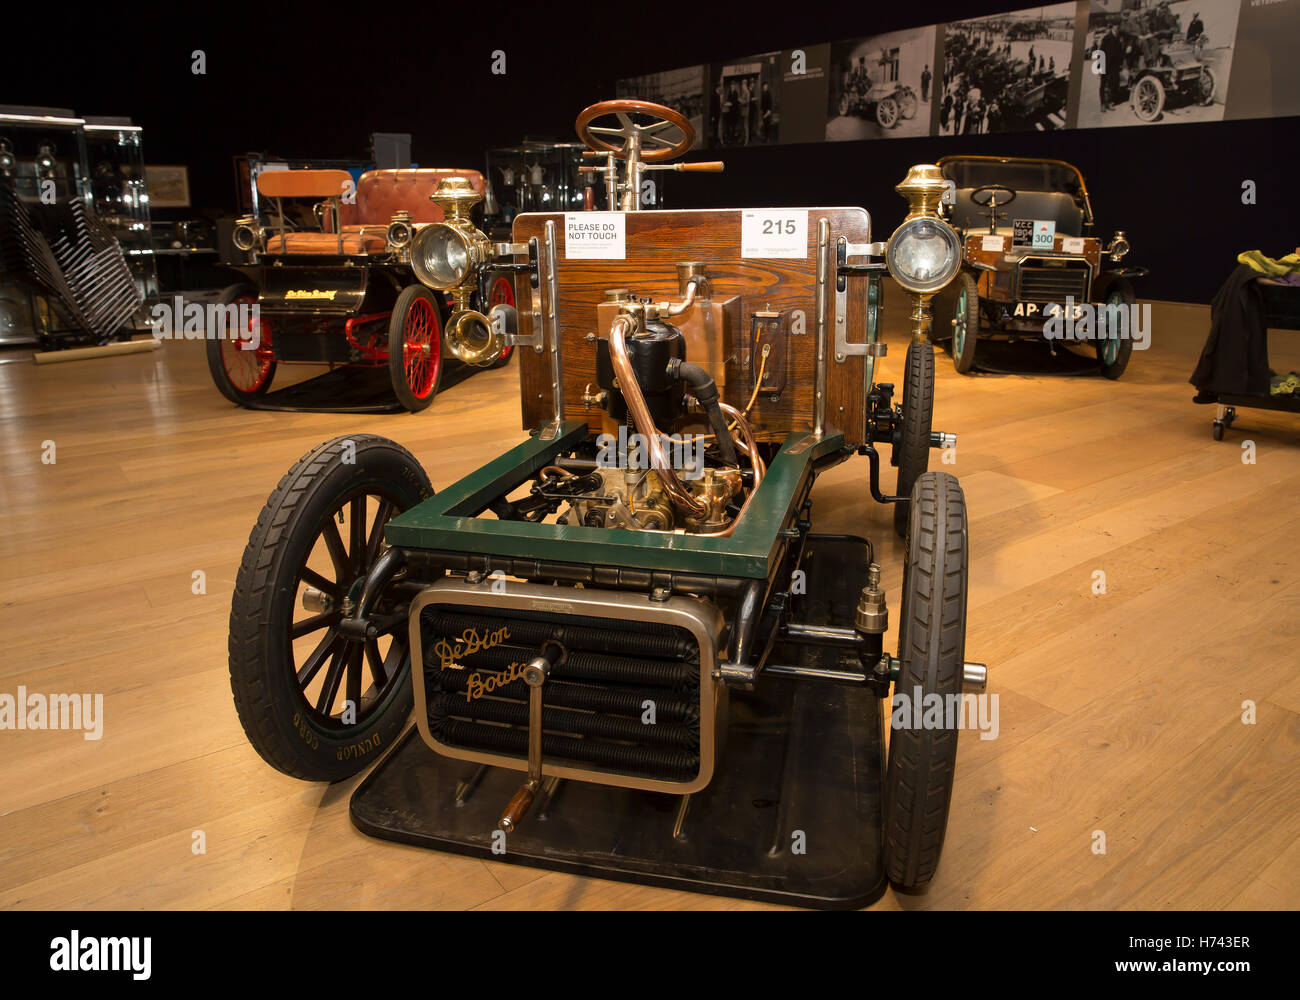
[(120, 194)]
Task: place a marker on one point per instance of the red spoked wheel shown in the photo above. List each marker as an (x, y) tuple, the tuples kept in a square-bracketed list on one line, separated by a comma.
[(502, 292), (241, 364), (415, 348)]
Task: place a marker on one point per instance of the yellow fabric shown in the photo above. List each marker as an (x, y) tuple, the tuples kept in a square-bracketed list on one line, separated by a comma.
[(1267, 265)]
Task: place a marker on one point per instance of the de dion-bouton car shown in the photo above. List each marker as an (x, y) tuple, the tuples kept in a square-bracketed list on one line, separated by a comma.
[(685, 378)]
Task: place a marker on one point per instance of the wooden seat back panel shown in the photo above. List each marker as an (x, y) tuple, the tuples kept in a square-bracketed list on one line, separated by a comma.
[(655, 243)]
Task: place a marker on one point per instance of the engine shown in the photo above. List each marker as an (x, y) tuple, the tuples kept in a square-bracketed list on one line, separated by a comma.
[(674, 456)]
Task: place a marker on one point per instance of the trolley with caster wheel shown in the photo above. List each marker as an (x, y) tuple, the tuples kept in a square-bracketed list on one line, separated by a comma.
[(629, 652)]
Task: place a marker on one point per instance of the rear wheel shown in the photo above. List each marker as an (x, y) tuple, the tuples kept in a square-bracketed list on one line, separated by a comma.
[(315, 703), (907, 104), (932, 647), (415, 348), (1114, 350), (502, 292), (913, 451), (241, 365)]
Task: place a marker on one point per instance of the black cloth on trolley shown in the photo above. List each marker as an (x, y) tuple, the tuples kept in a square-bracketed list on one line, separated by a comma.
[(1234, 360)]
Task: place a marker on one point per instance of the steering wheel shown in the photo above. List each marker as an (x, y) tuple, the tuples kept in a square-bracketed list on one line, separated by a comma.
[(993, 190), (666, 136)]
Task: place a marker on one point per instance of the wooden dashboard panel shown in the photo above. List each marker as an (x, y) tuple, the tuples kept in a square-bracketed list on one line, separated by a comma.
[(655, 242)]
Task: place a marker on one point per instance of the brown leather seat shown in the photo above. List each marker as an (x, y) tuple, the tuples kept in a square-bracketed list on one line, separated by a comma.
[(381, 193)]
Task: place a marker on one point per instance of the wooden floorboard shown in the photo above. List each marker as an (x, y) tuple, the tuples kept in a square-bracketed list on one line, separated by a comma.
[(1119, 712)]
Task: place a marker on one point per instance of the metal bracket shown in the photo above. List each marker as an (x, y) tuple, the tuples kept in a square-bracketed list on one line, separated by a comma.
[(534, 339), (843, 270), (552, 329)]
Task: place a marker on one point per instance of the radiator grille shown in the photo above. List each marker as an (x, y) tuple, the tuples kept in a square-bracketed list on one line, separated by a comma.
[(594, 702), (1052, 283)]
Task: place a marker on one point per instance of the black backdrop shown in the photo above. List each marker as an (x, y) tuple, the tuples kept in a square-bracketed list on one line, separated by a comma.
[(316, 81)]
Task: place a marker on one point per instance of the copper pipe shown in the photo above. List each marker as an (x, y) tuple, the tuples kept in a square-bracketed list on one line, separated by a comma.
[(668, 309), (748, 435), (645, 425)]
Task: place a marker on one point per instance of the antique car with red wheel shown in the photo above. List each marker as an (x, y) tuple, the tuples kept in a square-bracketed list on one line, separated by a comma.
[(628, 651), (343, 292)]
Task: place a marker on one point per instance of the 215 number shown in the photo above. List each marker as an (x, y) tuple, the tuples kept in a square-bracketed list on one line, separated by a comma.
[(778, 227)]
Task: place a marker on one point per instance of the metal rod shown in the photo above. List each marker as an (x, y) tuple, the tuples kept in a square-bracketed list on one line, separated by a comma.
[(823, 267)]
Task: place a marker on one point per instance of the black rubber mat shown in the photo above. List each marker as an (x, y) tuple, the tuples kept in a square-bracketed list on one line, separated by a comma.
[(1032, 357), (792, 815), (351, 390)]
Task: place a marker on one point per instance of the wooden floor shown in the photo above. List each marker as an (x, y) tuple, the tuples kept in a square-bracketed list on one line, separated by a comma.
[(1119, 712)]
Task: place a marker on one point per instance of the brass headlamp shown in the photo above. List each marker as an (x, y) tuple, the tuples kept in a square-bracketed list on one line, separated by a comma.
[(447, 256), (924, 253)]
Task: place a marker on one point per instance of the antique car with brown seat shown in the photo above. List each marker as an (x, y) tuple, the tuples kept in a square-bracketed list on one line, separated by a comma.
[(1032, 267), (629, 652), (339, 289)]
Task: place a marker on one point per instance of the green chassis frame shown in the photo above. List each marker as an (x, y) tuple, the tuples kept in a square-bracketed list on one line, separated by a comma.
[(447, 521)]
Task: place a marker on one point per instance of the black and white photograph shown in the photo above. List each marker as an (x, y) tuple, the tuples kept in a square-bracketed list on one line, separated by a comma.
[(1007, 72), (679, 89), (880, 87), (744, 106), (1157, 63)]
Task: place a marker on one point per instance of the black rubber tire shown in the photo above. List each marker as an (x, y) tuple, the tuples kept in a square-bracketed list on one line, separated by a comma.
[(913, 452), (262, 677), (963, 355), (1105, 287), (217, 369), (397, 339), (932, 646)]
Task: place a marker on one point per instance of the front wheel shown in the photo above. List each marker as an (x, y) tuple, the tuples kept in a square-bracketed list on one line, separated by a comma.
[(1148, 98), (315, 703), (913, 449), (844, 105), (932, 648), (887, 113), (1116, 346), (502, 293), (965, 323), (1205, 87), (415, 348)]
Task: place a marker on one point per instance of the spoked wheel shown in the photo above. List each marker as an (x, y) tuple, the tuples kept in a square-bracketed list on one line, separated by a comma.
[(907, 104), (965, 323), (912, 454), (844, 104), (1148, 98), (502, 292), (932, 647), (315, 703), (415, 348), (1115, 349), (241, 366), (887, 112), (1205, 87)]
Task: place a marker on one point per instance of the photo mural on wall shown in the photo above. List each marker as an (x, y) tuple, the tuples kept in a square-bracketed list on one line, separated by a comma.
[(1007, 72), (1157, 63), (880, 87), (1077, 64)]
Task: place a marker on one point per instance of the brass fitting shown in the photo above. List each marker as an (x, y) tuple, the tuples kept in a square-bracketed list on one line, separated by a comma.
[(872, 615)]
